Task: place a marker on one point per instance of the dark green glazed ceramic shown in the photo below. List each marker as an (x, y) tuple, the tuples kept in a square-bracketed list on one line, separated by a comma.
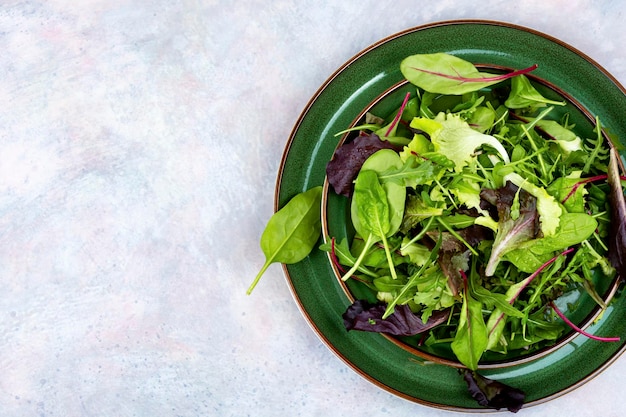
[(359, 83)]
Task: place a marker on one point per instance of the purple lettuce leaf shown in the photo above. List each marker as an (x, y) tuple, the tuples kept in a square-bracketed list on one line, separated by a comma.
[(493, 394), (347, 160), (617, 238), (454, 253), (364, 316), (511, 231)]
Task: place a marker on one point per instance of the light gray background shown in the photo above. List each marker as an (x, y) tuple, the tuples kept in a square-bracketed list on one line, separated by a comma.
[(140, 142)]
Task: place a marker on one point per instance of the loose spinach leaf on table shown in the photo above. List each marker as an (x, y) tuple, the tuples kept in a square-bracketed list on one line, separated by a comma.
[(292, 231)]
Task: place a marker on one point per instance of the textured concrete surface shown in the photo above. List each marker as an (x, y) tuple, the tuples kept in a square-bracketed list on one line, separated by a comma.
[(140, 142)]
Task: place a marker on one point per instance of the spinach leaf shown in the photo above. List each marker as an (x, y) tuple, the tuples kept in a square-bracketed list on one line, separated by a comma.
[(380, 162), (446, 74), (524, 94), (372, 209), (471, 336), (291, 233)]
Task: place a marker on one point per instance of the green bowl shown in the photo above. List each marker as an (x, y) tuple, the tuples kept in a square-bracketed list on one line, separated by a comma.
[(372, 81)]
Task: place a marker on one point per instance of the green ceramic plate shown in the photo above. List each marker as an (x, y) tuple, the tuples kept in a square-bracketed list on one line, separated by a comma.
[(336, 105)]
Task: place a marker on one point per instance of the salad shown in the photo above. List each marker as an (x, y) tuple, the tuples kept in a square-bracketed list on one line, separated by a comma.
[(476, 210)]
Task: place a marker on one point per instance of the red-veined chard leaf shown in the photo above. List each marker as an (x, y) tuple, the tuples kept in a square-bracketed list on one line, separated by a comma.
[(447, 74)]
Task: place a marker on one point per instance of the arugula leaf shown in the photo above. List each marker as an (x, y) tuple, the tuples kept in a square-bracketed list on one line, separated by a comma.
[(412, 280), (412, 173)]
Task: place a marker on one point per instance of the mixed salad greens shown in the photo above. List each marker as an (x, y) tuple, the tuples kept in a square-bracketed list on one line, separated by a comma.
[(474, 210)]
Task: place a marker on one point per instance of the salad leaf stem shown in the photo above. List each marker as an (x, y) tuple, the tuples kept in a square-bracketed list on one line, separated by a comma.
[(456, 235), (396, 119), (524, 283), (368, 244), (411, 282), (585, 181), (333, 255), (419, 236), (578, 329), (527, 131), (597, 148)]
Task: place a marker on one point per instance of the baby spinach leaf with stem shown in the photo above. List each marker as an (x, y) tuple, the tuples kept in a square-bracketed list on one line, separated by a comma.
[(291, 232), (372, 215), (372, 208)]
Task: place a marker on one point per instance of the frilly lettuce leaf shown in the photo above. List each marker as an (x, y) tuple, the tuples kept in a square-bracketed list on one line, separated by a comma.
[(455, 138)]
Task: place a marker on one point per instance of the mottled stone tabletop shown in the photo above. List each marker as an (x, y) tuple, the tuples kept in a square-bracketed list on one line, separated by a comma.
[(140, 143)]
